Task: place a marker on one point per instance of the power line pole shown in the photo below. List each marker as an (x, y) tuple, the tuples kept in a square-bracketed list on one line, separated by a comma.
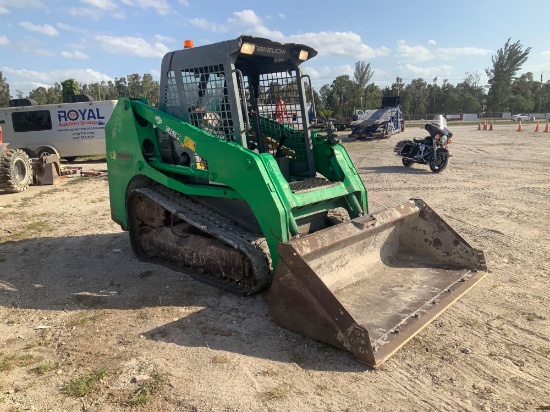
[(398, 81), (540, 93)]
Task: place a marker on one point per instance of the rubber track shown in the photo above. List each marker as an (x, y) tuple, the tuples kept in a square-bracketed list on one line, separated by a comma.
[(249, 244)]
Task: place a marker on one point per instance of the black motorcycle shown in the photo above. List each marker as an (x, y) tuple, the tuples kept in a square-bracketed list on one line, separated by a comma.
[(432, 150)]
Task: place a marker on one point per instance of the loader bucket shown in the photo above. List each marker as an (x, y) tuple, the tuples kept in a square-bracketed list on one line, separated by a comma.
[(369, 285)]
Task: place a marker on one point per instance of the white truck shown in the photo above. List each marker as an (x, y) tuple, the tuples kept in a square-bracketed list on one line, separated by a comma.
[(69, 130)]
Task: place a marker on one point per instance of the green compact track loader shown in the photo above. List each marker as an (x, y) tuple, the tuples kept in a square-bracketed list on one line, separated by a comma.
[(227, 182)]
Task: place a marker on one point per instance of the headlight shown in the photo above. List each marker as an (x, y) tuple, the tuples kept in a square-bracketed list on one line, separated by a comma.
[(443, 139), (248, 48)]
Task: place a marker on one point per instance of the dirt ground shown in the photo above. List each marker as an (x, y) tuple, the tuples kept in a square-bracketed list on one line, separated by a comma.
[(86, 326)]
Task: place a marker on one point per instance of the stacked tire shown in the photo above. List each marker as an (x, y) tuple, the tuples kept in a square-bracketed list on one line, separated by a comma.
[(15, 170)]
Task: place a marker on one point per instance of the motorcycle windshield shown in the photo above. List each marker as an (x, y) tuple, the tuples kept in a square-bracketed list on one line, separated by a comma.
[(439, 121), (435, 129)]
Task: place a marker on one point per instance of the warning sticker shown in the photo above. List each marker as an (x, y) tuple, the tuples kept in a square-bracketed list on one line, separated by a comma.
[(189, 143)]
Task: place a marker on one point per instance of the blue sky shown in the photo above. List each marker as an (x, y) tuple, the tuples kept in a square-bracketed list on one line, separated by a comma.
[(47, 41)]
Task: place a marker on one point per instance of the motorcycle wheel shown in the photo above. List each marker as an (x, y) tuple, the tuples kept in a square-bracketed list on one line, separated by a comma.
[(407, 162), (439, 164)]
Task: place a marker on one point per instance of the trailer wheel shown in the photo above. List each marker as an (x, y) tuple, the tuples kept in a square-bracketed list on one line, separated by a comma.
[(15, 170), (46, 151)]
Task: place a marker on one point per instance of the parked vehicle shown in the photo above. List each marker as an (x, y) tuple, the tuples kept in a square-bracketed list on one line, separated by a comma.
[(357, 114), (68, 130), (339, 125), (431, 150), (523, 116), (18, 171), (381, 122)]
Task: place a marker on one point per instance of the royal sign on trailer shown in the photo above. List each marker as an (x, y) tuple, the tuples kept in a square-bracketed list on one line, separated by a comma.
[(68, 129)]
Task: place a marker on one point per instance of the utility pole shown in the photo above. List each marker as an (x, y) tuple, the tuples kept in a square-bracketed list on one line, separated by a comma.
[(434, 89), (398, 81), (540, 93)]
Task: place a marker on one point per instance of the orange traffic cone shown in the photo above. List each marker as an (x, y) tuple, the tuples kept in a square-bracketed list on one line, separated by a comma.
[(519, 127), (485, 125), (479, 125), (537, 128), (546, 128), (491, 126)]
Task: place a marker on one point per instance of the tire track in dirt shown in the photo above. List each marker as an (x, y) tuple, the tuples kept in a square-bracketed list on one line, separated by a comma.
[(517, 351), (506, 242), (413, 379), (535, 190), (462, 363), (428, 189)]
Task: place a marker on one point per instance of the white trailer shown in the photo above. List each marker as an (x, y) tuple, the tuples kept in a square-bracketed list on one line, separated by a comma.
[(69, 130)]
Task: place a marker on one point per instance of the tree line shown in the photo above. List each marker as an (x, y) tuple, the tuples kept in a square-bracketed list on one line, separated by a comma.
[(504, 92), (133, 85)]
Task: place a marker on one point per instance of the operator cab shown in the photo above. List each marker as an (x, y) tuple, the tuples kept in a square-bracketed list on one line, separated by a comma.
[(249, 91)]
